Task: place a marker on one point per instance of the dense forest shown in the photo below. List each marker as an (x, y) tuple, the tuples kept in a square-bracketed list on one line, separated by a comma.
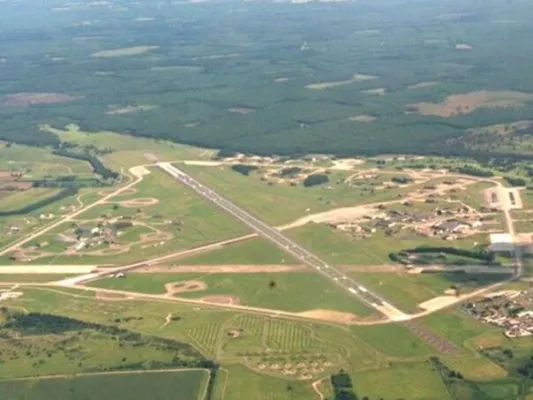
[(240, 85)]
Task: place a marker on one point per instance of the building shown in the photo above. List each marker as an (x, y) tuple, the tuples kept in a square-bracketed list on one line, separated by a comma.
[(501, 242), (450, 226)]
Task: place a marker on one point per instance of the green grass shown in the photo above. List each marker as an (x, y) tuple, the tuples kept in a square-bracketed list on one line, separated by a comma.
[(402, 290), (473, 195), (132, 386), (412, 381), (338, 248), (255, 251), (198, 223), (23, 198), (393, 340), (128, 151), (32, 277), (294, 291), (282, 203), (456, 326), (243, 383), (37, 163)]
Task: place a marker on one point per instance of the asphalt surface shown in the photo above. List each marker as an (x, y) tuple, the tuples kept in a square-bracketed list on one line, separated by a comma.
[(356, 289)]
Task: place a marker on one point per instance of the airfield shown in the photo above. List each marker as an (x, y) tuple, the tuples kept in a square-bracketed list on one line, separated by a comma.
[(239, 258)]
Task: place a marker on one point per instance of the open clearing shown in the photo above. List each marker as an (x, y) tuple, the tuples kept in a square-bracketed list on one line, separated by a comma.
[(413, 381), (119, 110), (256, 251), (126, 51), (329, 85), (26, 99), (132, 385), (466, 103), (423, 85), (295, 291), (362, 118), (212, 269)]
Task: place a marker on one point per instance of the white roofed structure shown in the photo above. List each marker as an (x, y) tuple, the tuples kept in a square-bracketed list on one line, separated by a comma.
[(501, 242)]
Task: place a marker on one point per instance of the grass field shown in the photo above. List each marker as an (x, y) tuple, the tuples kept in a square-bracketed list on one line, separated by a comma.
[(191, 220), (242, 382), (37, 163), (402, 290), (339, 249), (456, 326), (20, 199), (282, 203), (250, 252), (128, 151), (132, 386), (295, 291), (413, 381), (393, 340)]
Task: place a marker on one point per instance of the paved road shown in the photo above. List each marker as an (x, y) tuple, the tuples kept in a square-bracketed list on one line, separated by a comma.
[(274, 235)]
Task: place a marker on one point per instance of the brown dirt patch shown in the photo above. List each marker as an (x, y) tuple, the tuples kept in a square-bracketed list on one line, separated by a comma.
[(184, 286), (330, 315), (13, 185), (226, 269), (466, 103), (27, 99), (5, 175), (385, 268), (221, 299), (112, 296), (141, 202)]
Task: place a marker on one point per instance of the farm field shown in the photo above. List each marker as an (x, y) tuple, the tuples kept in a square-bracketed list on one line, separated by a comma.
[(123, 385), (281, 291)]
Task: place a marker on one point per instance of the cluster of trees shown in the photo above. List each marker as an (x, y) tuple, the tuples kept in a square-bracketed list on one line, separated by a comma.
[(402, 256), (289, 171), (67, 182), (46, 324), (474, 171), (98, 167), (513, 181), (401, 179), (315, 179), (342, 386), (244, 169), (445, 372)]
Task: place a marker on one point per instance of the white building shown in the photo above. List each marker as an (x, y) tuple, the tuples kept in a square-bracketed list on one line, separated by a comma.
[(501, 242)]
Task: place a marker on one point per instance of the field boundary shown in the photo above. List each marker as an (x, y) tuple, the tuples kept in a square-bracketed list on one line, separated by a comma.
[(82, 374)]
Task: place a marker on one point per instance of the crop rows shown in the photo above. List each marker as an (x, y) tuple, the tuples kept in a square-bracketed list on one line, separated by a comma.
[(249, 323), (206, 336), (288, 336)]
